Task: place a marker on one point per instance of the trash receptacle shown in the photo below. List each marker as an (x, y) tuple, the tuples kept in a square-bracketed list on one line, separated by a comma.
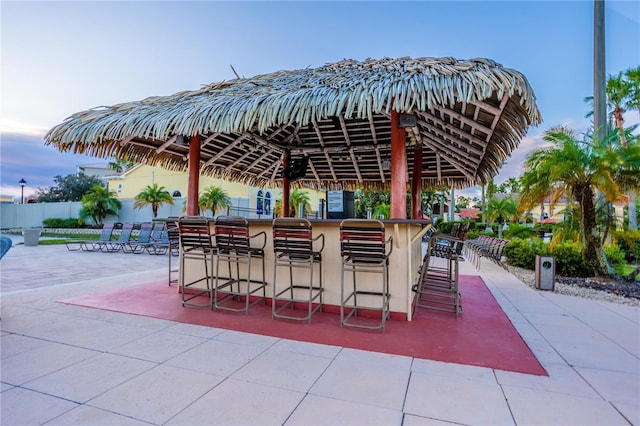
[(545, 272), (31, 236)]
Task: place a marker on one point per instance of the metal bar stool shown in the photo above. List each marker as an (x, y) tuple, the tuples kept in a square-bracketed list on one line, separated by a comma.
[(437, 286), (196, 243), (234, 247), (293, 248), (363, 248), (173, 233)]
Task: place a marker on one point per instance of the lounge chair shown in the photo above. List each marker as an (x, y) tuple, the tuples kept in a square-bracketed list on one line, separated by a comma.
[(144, 239), (92, 245), (159, 240), (125, 237)]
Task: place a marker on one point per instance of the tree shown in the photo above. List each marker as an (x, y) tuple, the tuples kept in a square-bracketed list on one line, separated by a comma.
[(214, 198), (297, 197), (500, 210), (573, 167), (154, 196), (99, 202), (68, 188), (120, 165)]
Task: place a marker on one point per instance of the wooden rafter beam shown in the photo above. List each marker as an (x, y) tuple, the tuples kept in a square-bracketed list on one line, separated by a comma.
[(224, 150), (164, 146), (326, 154)]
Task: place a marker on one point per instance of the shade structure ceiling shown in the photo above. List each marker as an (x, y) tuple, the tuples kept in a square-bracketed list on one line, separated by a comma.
[(469, 115)]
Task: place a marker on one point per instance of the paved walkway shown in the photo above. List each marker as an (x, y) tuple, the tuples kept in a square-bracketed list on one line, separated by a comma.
[(64, 364)]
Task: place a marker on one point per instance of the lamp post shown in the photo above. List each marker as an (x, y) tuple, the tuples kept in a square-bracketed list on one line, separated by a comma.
[(22, 183)]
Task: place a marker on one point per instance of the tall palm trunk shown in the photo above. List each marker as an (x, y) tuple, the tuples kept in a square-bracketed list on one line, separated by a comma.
[(589, 232)]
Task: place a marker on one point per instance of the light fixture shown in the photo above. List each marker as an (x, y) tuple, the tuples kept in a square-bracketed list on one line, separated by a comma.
[(386, 164), (182, 140), (22, 183)]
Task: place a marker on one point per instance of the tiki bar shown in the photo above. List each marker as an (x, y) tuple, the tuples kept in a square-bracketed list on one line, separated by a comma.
[(397, 124)]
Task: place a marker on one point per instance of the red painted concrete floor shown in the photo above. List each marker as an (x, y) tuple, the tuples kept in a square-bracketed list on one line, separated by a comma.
[(482, 336)]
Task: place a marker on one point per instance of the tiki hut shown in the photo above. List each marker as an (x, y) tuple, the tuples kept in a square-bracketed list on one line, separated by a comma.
[(459, 120)]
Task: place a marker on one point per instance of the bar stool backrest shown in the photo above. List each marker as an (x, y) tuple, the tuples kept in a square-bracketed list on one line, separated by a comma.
[(363, 241), (194, 233), (292, 237), (232, 234)]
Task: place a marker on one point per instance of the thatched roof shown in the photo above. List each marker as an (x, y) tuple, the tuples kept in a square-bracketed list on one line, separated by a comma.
[(470, 115)]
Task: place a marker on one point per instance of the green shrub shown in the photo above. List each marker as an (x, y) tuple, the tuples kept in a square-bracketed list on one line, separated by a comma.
[(523, 232), (569, 260), (522, 253), (55, 222), (629, 242), (614, 254)]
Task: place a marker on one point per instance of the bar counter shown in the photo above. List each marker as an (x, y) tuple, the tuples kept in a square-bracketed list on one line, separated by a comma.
[(404, 262)]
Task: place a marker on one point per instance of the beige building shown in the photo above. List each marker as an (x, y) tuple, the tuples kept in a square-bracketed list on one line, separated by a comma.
[(244, 198)]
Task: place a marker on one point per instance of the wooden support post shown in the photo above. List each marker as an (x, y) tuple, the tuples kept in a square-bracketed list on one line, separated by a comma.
[(416, 183), (286, 184), (398, 169), (193, 179)]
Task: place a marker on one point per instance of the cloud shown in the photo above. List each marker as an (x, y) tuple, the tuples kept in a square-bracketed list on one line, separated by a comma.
[(25, 156)]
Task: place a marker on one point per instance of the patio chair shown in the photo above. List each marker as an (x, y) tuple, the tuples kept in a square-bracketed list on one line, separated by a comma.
[(140, 244), (233, 242), (92, 245), (365, 250), (293, 249), (124, 238)]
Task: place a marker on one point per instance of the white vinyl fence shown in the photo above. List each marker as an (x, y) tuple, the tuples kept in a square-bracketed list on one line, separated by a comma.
[(14, 216)]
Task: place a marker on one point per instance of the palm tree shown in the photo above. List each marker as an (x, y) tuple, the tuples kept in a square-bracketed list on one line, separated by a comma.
[(632, 76), (97, 203), (500, 210), (297, 197), (153, 195), (575, 168), (214, 198)]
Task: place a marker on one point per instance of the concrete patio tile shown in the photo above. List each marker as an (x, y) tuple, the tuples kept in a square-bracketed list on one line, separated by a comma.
[(440, 368), (456, 399), (157, 394), (562, 379), (46, 359), (535, 407), (544, 352), (19, 320), (413, 420), (584, 347), (240, 403), (247, 339), (25, 407), (195, 330), (84, 415), (88, 333), (13, 344), (90, 378), (631, 412), (319, 410), (308, 348), (216, 357), (159, 346), (366, 377), (614, 386), (282, 369)]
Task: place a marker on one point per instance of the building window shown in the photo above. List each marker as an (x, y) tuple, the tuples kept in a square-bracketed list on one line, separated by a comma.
[(176, 194), (119, 187), (260, 203), (263, 203), (267, 204)]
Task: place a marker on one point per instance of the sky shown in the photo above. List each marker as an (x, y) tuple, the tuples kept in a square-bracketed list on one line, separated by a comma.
[(58, 58)]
